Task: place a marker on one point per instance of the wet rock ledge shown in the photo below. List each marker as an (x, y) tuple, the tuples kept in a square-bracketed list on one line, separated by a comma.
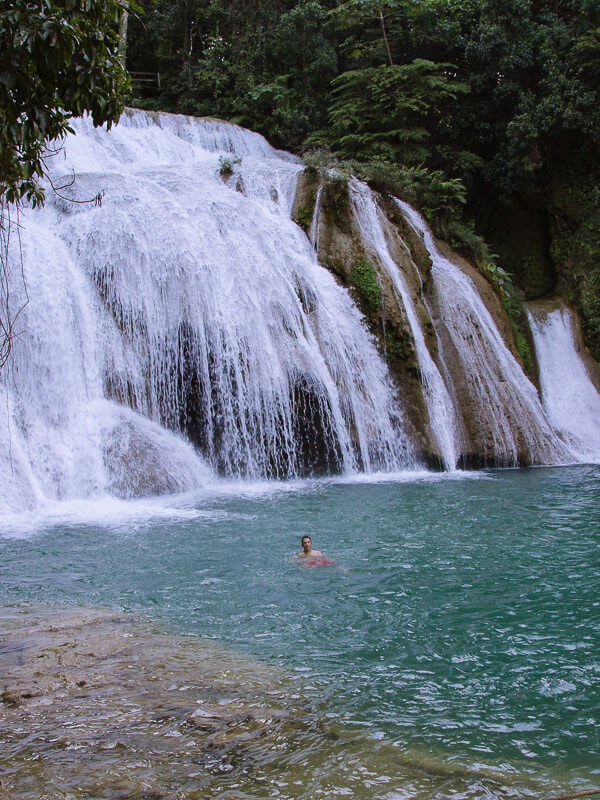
[(95, 705)]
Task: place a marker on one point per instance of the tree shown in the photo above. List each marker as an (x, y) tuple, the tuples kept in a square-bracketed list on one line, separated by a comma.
[(264, 64), (366, 26), (387, 113), (58, 58)]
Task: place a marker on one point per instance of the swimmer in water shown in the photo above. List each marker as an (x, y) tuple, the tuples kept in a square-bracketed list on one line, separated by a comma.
[(314, 558), (307, 549)]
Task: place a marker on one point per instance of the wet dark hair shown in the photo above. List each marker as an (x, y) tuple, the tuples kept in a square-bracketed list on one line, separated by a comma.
[(306, 536)]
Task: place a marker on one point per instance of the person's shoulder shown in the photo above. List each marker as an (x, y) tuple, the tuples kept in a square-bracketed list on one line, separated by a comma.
[(316, 553)]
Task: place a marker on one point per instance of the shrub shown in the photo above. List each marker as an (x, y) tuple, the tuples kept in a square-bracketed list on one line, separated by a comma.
[(226, 166)]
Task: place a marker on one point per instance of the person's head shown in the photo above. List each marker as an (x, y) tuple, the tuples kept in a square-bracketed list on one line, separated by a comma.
[(306, 544)]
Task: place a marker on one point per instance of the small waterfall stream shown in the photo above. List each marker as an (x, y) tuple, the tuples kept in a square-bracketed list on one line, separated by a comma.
[(569, 396), (314, 233), (511, 423), (439, 404)]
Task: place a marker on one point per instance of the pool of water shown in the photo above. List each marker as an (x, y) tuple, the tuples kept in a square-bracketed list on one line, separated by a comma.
[(461, 617)]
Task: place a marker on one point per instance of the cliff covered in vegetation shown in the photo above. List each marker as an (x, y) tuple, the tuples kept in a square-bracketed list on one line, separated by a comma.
[(485, 115)]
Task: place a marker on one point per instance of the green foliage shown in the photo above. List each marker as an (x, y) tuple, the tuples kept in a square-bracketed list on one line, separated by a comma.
[(321, 161), (533, 68), (226, 166), (366, 28), (512, 301), (364, 279), (384, 113), (58, 58), (589, 305), (263, 65), (576, 246), (440, 198), (463, 238)]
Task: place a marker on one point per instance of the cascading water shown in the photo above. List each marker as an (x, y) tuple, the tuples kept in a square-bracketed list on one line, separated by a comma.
[(182, 327), (439, 404), (502, 404), (183, 309), (569, 396)]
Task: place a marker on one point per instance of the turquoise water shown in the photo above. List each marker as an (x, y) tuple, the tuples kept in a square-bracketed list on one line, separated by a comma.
[(462, 616)]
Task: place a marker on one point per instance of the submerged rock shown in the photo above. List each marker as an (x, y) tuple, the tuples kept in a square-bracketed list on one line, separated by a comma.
[(99, 705), (102, 705)]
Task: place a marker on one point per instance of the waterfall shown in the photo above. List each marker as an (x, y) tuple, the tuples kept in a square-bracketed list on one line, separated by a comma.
[(182, 327), (569, 396), (502, 406), (437, 399)]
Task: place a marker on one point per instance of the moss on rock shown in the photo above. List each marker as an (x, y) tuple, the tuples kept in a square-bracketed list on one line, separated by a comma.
[(305, 199), (364, 278), (336, 202)]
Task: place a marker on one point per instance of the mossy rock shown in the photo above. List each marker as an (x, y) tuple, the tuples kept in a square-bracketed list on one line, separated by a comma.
[(336, 203), (364, 278), (304, 202)]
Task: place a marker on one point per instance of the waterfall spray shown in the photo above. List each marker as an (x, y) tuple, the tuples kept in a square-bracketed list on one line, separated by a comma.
[(183, 328)]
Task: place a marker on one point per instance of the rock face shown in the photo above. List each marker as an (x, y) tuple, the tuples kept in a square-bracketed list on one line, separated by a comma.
[(457, 371), (341, 247)]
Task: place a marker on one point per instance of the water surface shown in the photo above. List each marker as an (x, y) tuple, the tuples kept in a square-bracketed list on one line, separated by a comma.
[(461, 619)]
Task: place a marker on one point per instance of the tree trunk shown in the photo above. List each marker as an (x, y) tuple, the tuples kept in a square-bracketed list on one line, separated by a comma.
[(383, 31), (123, 34)]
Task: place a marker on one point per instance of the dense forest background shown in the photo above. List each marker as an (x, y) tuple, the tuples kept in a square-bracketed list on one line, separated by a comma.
[(486, 113)]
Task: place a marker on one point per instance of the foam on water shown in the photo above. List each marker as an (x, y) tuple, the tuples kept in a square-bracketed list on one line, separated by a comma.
[(103, 512), (412, 476), (116, 514)]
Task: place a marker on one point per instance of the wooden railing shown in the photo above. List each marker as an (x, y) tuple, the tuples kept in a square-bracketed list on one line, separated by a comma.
[(149, 80)]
